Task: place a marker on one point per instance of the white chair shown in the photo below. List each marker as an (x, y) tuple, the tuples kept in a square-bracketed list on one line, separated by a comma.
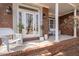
[(5, 32)]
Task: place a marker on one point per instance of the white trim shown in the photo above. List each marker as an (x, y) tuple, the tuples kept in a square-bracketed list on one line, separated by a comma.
[(29, 6), (72, 5), (41, 5), (75, 22)]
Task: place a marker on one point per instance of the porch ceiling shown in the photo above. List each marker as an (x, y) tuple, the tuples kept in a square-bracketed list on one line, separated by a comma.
[(64, 8), (77, 5)]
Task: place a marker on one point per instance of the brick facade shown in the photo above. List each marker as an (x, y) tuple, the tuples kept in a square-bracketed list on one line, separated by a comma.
[(5, 19), (66, 24), (45, 20)]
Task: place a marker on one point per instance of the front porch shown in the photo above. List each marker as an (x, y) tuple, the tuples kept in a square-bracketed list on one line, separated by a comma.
[(47, 48), (35, 24), (33, 44)]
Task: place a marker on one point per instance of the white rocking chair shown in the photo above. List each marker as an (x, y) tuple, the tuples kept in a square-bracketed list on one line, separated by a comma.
[(5, 32)]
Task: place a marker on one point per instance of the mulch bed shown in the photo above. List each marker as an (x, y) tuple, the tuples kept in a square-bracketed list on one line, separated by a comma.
[(71, 51), (52, 50)]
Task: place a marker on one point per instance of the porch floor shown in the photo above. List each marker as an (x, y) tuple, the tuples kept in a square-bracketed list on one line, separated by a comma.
[(33, 44), (61, 37)]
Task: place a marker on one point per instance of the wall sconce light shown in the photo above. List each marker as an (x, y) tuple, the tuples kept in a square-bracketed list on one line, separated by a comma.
[(44, 15), (9, 10)]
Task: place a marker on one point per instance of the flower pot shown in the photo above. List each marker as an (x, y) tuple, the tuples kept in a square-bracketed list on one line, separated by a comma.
[(45, 36)]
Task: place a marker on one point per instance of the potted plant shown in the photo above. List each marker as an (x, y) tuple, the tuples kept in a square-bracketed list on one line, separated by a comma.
[(76, 22), (42, 35), (21, 27)]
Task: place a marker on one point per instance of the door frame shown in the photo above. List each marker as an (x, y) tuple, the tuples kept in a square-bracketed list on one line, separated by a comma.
[(15, 8)]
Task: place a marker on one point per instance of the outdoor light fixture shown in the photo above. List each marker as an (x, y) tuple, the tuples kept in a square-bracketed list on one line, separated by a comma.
[(9, 10), (44, 15)]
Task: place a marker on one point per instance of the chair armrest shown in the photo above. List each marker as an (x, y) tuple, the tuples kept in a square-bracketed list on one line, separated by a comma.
[(17, 35)]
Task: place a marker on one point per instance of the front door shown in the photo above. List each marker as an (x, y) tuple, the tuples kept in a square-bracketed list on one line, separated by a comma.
[(29, 20)]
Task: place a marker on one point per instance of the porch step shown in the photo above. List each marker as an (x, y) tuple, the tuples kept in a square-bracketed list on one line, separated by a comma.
[(30, 39)]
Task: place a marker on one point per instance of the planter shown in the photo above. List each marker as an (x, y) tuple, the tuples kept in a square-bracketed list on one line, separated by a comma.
[(41, 38), (45, 36)]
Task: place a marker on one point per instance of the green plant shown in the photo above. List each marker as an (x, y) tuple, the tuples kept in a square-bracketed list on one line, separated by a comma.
[(21, 26), (75, 21)]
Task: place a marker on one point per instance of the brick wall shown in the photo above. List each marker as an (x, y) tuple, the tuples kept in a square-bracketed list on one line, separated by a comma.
[(45, 20), (5, 19), (66, 24)]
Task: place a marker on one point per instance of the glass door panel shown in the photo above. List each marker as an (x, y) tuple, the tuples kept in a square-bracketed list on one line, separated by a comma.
[(36, 23), (29, 23), (20, 22)]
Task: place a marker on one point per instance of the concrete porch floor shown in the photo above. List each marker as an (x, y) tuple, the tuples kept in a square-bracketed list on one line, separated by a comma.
[(61, 37), (33, 44)]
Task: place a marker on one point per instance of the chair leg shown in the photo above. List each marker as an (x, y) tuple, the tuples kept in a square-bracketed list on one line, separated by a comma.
[(6, 42), (7, 46)]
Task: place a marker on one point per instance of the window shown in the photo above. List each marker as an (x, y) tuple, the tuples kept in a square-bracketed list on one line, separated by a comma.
[(51, 23)]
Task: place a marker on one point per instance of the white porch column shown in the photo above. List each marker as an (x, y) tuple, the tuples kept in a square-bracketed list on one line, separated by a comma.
[(56, 23), (75, 22), (15, 16)]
